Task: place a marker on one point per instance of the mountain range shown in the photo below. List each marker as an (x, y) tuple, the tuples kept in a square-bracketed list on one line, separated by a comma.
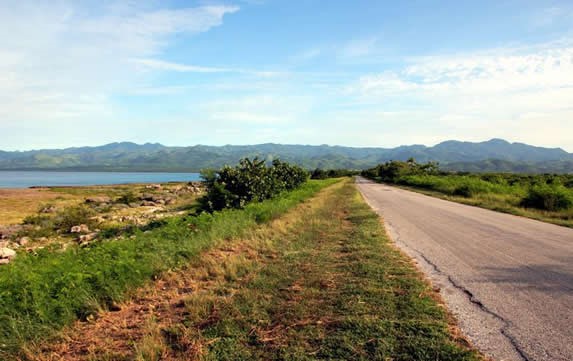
[(491, 155)]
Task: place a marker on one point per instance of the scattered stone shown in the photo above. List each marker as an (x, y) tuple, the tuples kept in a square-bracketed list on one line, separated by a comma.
[(24, 241), (148, 204), (82, 228), (4, 261), (84, 238), (153, 186), (48, 209), (98, 200), (9, 231), (7, 253)]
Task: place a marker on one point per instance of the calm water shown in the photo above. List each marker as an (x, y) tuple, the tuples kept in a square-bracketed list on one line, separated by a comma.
[(25, 179)]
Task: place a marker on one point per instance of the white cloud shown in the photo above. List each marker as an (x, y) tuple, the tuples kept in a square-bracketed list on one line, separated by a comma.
[(155, 64), (487, 94), (259, 109), (165, 65), (66, 58)]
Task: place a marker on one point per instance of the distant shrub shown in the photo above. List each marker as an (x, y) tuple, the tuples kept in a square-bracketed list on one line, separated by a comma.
[(318, 174), (332, 173), (68, 217), (250, 180), (464, 191), (128, 198), (550, 198), (38, 220)]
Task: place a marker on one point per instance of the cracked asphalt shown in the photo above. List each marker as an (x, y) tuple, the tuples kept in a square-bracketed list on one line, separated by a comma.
[(507, 279)]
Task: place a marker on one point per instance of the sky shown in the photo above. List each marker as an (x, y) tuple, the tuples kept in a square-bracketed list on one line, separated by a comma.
[(356, 73)]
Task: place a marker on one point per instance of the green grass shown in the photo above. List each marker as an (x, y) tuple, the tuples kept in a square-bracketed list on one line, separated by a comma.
[(335, 288), (41, 293), (550, 202)]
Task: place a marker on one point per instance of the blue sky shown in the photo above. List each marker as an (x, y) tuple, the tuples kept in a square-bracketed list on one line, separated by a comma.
[(358, 73)]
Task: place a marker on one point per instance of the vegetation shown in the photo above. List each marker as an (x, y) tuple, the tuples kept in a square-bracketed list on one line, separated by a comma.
[(250, 180), (43, 291), (320, 173), (547, 197), (321, 282)]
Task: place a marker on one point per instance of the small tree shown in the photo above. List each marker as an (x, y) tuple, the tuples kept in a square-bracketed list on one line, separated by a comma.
[(250, 180)]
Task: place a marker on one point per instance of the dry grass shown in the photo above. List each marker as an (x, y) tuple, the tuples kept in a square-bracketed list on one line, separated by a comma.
[(17, 204), (139, 328), (321, 282)]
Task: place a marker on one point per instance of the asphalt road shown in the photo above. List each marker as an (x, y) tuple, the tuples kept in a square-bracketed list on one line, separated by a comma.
[(507, 279)]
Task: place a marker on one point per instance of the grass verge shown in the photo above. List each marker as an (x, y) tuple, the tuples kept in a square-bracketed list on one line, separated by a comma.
[(505, 203), (321, 282), (40, 293)]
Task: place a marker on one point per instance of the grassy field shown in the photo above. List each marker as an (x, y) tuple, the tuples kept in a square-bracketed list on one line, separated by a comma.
[(17, 204), (44, 291), (321, 281)]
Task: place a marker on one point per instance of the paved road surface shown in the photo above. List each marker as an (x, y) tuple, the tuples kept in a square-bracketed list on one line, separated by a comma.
[(508, 280)]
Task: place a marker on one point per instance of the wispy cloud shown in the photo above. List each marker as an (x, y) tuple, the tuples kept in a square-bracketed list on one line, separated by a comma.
[(359, 47), (552, 15), (169, 66), (161, 65), (76, 56), (306, 55), (514, 92)]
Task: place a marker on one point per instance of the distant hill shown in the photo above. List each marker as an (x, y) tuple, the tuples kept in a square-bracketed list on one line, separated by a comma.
[(492, 155)]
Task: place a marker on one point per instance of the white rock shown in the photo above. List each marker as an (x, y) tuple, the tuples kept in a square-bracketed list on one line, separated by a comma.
[(82, 228), (23, 241), (7, 253)]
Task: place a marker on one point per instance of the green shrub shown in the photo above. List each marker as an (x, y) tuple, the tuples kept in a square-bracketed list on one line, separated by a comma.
[(464, 191), (332, 173), (250, 180), (128, 198), (68, 217), (550, 198)]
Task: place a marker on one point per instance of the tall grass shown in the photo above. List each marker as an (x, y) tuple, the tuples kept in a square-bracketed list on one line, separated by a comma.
[(543, 197), (43, 292), (465, 186)]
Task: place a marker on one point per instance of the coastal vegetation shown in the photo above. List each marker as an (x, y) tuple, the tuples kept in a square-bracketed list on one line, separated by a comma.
[(321, 281), (50, 287), (547, 197), (263, 264)]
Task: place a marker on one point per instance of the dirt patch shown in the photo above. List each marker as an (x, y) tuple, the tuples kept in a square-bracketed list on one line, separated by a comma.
[(161, 304)]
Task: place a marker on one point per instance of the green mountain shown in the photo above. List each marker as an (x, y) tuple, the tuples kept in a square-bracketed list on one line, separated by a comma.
[(492, 155)]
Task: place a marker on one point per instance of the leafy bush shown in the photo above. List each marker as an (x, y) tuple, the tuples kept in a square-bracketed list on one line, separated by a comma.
[(394, 170), (68, 217), (250, 180), (550, 198), (319, 173), (128, 198)]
